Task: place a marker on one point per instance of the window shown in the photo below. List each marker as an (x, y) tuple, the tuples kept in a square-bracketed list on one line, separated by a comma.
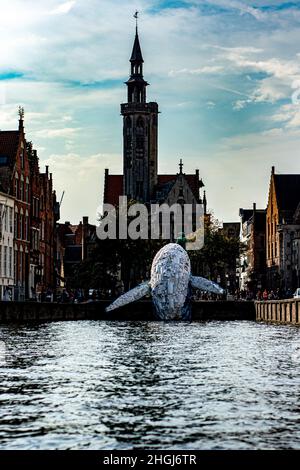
[(27, 193), (21, 268), (5, 262), (16, 225), (16, 188), (140, 126), (21, 226), (10, 220), (22, 158), (22, 190), (26, 227), (15, 265), (6, 216), (139, 188), (0, 260), (10, 262), (128, 125), (3, 160)]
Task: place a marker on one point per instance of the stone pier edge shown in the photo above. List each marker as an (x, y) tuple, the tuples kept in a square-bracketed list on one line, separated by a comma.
[(286, 312), (20, 312), (273, 311)]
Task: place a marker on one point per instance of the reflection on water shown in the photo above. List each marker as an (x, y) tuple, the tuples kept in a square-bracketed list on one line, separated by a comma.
[(122, 385)]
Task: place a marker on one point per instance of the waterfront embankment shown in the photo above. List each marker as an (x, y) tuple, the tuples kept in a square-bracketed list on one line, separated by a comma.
[(16, 312), (279, 311)]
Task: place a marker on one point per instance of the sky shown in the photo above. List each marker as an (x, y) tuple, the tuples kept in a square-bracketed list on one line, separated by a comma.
[(225, 73)]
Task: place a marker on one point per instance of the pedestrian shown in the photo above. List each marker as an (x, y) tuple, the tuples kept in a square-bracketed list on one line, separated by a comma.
[(265, 295)]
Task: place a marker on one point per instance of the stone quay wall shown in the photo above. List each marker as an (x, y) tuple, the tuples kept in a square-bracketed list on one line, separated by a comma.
[(20, 312), (279, 311)]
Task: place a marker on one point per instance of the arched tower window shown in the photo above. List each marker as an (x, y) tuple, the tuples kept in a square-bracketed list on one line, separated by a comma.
[(128, 125), (140, 139), (140, 124)]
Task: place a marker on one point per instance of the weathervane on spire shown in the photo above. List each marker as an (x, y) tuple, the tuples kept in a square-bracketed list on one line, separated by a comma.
[(21, 113), (136, 16)]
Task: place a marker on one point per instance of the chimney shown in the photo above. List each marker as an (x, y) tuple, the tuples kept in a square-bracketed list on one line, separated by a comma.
[(254, 206), (67, 223), (273, 170), (47, 169), (85, 220)]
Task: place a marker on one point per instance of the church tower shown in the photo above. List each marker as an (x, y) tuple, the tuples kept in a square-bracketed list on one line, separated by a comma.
[(140, 130)]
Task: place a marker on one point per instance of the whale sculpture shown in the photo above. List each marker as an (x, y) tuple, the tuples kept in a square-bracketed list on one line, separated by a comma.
[(170, 285)]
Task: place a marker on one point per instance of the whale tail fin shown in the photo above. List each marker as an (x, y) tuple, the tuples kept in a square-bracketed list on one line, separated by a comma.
[(131, 296), (201, 283)]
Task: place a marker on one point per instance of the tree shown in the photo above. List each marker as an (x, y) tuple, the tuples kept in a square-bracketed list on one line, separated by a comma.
[(218, 254)]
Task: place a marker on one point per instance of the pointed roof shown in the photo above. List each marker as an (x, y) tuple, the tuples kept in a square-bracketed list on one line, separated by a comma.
[(136, 55), (113, 187), (287, 189), (9, 142)]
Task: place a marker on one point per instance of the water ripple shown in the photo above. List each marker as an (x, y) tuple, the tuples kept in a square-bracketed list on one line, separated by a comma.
[(122, 385)]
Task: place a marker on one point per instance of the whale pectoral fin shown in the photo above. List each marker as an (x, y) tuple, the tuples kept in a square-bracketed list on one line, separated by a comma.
[(201, 283), (130, 296)]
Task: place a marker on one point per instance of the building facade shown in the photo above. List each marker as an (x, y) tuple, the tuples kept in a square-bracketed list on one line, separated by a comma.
[(282, 230), (7, 282), (75, 243), (253, 258), (35, 212)]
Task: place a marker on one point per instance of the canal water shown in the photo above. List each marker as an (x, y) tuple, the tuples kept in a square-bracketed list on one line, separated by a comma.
[(124, 385)]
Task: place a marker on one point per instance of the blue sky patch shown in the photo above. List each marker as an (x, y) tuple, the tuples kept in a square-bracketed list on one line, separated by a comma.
[(10, 75)]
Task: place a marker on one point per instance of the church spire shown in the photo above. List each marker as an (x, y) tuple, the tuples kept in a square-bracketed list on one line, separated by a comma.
[(136, 55), (140, 130), (136, 83)]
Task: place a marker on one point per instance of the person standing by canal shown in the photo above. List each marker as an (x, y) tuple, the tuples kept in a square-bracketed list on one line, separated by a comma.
[(265, 295)]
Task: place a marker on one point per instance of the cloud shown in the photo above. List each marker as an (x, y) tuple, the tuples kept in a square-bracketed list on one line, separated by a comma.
[(288, 116), (64, 132), (82, 179), (241, 7), (63, 8), (208, 69), (204, 62)]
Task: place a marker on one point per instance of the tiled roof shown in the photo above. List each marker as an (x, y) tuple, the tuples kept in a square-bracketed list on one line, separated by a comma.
[(9, 142), (136, 55), (114, 186), (287, 189), (113, 189), (191, 179)]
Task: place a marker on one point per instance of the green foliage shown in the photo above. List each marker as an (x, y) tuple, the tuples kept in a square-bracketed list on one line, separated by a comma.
[(218, 254)]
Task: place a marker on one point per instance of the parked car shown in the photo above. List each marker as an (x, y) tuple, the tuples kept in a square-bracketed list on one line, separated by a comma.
[(297, 293)]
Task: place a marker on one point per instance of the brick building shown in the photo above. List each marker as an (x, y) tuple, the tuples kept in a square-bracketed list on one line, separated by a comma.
[(49, 215), (35, 212), (282, 227), (15, 181), (7, 283), (253, 260), (75, 243)]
